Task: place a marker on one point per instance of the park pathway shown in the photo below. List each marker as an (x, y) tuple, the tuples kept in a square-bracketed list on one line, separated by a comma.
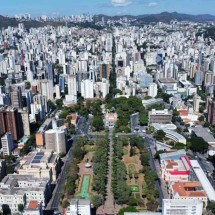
[(109, 207)]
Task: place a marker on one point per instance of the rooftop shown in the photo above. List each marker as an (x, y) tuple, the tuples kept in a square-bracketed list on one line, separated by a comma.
[(189, 189), (33, 205), (203, 180), (175, 154), (36, 159), (160, 112), (167, 80), (178, 167), (204, 133), (180, 202)]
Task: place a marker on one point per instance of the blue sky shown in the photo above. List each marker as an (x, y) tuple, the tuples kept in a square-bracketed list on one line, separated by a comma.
[(109, 7)]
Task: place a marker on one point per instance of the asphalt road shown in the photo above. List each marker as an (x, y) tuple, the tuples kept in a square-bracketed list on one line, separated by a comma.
[(58, 191), (207, 167), (149, 142), (134, 119)]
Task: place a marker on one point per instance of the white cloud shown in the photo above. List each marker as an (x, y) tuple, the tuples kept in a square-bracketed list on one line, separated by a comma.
[(152, 4), (120, 3)]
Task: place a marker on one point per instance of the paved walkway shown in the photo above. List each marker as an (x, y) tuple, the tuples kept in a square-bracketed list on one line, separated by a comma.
[(109, 207)]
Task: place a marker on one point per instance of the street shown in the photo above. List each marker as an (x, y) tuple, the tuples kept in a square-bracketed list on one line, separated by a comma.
[(57, 193)]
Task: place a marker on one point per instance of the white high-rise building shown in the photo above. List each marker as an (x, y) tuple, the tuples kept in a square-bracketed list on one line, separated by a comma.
[(182, 206), (87, 89), (55, 139), (79, 207), (7, 143), (46, 89), (72, 89), (57, 91), (153, 90), (196, 101), (105, 87)]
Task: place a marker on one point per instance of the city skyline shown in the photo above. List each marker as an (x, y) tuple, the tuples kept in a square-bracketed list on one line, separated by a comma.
[(108, 7)]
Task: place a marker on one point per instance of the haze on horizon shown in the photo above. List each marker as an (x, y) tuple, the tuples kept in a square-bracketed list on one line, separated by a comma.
[(108, 7)]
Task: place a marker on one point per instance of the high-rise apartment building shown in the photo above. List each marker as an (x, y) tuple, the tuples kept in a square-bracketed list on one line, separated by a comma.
[(196, 102), (55, 140), (198, 78), (87, 90), (211, 112), (16, 98), (7, 144), (24, 122), (72, 89), (10, 122), (153, 90), (104, 71)]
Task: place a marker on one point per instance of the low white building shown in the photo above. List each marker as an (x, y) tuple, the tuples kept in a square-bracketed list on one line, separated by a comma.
[(21, 189), (79, 207), (169, 85), (182, 207)]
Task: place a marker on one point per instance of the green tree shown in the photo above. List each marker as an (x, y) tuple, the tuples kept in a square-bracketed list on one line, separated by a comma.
[(157, 154), (51, 105), (147, 97), (59, 103), (127, 209), (63, 114), (152, 205), (78, 152), (206, 125), (98, 123), (175, 112), (27, 85), (2, 82), (65, 204), (198, 144), (211, 206), (20, 207), (160, 134), (83, 112), (96, 200), (201, 118), (144, 159), (143, 119)]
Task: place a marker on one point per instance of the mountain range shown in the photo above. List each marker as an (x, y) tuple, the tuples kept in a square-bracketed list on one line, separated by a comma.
[(164, 17)]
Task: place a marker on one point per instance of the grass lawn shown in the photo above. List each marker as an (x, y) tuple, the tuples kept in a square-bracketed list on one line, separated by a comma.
[(89, 148), (131, 169), (134, 188)]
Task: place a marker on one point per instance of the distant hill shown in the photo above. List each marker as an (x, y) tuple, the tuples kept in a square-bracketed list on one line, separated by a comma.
[(162, 17), (139, 20), (7, 21)]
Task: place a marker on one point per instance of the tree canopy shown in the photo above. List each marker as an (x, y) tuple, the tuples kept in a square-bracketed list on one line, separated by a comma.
[(197, 144), (127, 209)]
